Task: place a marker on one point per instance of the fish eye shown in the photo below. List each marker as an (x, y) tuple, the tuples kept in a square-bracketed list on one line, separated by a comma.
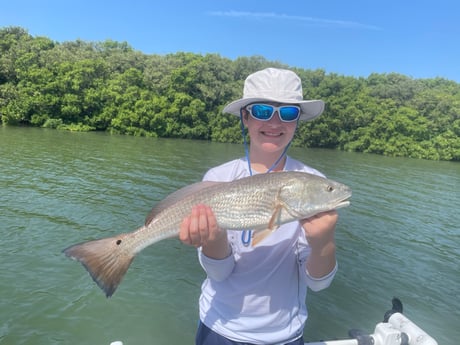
[(330, 188)]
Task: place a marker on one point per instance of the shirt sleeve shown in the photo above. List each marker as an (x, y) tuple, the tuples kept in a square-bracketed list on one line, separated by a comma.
[(217, 270), (317, 284)]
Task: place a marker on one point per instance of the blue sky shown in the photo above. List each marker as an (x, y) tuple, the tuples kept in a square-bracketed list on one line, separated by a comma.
[(420, 39)]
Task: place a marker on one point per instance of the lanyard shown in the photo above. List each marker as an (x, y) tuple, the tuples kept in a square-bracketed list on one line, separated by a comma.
[(246, 236)]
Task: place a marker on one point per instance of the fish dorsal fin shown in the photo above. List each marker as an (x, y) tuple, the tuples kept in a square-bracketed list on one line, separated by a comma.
[(179, 194)]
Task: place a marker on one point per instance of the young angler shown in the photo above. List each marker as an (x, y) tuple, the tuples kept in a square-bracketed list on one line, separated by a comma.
[(256, 294)]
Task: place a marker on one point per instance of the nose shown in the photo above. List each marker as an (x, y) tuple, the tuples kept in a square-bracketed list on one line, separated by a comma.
[(275, 118)]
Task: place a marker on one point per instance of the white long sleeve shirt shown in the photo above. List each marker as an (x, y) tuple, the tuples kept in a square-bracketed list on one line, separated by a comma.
[(257, 294)]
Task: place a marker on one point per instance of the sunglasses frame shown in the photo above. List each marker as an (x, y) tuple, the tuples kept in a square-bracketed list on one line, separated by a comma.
[(275, 109)]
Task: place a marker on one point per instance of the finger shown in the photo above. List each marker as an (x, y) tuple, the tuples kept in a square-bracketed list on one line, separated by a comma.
[(203, 223), (212, 223), (194, 230), (323, 224), (324, 215), (184, 234)]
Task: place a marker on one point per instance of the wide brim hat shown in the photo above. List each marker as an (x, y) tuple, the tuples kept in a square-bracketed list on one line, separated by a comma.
[(276, 85)]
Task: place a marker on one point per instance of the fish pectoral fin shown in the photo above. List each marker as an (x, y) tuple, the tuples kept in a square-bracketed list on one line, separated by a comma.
[(273, 224), (274, 220), (259, 235)]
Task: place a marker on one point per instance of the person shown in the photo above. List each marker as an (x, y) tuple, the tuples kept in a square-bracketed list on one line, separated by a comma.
[(257, 294)]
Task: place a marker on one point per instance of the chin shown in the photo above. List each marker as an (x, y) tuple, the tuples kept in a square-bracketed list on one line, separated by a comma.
[(273, 147)]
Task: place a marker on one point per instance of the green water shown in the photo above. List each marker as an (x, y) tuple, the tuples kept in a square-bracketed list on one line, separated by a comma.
[(399, 238)]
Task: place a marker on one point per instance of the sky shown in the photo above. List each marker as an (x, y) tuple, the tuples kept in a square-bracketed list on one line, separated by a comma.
[(419, 39)]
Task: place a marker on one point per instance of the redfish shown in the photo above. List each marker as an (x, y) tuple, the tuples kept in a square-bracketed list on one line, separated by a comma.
[(261, 202)]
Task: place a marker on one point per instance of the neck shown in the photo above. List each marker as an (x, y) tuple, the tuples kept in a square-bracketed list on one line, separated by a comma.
[(264, 163)]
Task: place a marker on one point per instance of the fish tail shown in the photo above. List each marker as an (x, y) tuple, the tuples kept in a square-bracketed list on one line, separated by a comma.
[(106, 260)]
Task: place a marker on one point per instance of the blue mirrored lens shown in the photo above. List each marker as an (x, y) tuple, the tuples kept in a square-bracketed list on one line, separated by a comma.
[(262, 111), (289, 113)]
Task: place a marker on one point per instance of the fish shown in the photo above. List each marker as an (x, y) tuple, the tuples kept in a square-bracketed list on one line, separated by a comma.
[(260, 202)]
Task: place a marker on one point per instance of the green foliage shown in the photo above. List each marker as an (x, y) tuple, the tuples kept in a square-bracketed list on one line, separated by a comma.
[(107, 86)]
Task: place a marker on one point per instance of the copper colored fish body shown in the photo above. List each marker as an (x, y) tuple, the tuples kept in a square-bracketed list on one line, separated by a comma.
[(260, 202)]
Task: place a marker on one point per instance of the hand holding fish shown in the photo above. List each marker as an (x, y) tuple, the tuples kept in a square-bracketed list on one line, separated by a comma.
[(319, 231), (320, 228), (200, 229)]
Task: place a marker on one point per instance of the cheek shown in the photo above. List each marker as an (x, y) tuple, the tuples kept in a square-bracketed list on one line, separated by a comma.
[(252, 125), (252, 131), (291, 128)]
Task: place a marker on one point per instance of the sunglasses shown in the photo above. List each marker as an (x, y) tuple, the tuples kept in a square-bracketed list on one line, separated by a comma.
[(264, 112)]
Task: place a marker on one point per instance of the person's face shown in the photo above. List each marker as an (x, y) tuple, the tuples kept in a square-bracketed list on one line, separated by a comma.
[(269, 136)]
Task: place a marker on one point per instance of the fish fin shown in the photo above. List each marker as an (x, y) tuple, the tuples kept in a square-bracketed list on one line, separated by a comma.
[(274, 220), (259, 235), (174, 197), (106, 260), (273, 224)]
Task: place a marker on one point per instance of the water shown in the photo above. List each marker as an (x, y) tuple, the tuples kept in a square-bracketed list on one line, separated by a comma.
[(399, 238)]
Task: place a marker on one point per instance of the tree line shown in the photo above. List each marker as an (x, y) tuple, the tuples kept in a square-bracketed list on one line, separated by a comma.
[(109, 86)]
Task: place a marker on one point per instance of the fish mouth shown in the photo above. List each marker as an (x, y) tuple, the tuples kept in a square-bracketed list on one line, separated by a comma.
[(342, 204), (344, 201)]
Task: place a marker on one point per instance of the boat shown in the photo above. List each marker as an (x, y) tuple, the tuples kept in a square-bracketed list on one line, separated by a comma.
[(395, 329)]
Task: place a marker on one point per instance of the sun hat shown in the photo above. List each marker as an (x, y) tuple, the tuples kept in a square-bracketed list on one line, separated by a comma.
[(276, 85)]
